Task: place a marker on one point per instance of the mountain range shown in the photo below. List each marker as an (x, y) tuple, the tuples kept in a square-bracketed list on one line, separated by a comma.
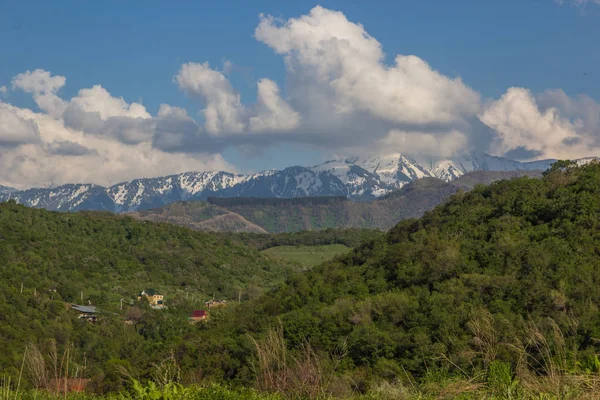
[(357, 179), (276, 215)]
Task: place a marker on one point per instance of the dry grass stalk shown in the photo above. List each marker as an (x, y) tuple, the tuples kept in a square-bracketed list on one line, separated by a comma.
[(36, 367), (293, 376), (166, 372), (484, 335)]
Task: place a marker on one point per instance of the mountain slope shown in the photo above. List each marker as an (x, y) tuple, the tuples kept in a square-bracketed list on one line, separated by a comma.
[(316, 213), (357, 179), (503, 277), (50, 259), (200, 216), (6, 189)]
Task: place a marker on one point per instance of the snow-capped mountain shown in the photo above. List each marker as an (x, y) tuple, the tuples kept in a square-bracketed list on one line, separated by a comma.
[(358, 179), (6, 189), (452, 168)]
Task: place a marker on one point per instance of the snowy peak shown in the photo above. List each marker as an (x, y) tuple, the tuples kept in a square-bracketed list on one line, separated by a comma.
[(395, 169), (452, 168), (357, 179)]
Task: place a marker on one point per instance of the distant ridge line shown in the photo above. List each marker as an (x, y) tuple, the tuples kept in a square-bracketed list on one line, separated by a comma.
[(270, 201)]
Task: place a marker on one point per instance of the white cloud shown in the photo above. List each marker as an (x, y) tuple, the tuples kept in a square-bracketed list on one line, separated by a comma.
[(97, 99), (3, 90), (272, 112), (423, 143), (96, 111), (96, 138), (15, 128), (340, 95), (552, 126), (224, 111), (339, 60), (38, 81), (579, 2), (43, 86)]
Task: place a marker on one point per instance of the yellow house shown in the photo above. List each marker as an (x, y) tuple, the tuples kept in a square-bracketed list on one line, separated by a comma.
[(154, 298)]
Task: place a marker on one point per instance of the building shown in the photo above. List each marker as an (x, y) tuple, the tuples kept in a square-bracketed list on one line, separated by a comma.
[(155, 299), (197, 316), (215, 303), (87, 313)]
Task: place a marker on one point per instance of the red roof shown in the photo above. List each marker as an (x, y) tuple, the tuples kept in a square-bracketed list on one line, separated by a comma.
[(198, 314)]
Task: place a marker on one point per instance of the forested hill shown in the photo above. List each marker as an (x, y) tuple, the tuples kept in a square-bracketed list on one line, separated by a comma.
[(106, 255), (505, 276), (49, 259)]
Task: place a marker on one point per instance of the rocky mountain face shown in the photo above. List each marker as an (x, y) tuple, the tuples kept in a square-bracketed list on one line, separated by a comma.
[(276, 215), (356, 179), (6, 189)]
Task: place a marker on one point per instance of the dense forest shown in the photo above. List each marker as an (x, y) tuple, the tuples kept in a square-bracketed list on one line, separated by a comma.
[(49, 260), (503, 280), (493, 294)]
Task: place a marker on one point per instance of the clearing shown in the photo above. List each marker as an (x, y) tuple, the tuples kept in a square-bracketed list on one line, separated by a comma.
[(308, 256)]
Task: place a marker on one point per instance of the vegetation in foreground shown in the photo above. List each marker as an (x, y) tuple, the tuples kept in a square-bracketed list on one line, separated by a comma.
[(495, 294)]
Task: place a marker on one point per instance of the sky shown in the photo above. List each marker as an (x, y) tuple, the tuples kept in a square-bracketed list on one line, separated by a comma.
[(104, 92)]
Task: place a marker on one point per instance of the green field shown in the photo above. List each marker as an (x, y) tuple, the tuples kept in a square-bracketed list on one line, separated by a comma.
[(308, 256)]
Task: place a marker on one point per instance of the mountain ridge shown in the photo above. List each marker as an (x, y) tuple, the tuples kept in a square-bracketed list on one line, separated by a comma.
[(357, 179), (279, 215)]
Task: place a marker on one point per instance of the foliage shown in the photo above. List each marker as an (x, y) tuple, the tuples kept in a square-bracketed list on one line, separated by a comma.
[(494, 294), (308, 256), (49, 260), (351, 237), (496, 287)]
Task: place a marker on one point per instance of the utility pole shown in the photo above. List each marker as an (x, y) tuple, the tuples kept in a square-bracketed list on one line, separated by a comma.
[(82, 297), (121, 304), (21, 287), (240, 296)]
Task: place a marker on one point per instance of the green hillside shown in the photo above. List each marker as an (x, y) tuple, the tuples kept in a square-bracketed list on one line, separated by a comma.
[(496, 291), (494, 294), (50, 259), (307, 256)]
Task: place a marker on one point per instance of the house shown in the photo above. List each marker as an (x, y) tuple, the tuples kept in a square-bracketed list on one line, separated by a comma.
[(87, 313), (155, 299), (197, 316), (215, 303)]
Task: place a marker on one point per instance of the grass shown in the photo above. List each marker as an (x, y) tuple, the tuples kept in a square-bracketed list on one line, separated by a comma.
[(307, 256)]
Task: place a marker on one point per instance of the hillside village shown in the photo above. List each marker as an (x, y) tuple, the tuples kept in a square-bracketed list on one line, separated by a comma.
[(156, 300)]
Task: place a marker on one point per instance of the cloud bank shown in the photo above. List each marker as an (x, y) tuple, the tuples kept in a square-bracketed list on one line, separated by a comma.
[(340, 96)]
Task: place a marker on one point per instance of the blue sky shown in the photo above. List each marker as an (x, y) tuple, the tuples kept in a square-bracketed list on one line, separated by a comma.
[(136, 49)]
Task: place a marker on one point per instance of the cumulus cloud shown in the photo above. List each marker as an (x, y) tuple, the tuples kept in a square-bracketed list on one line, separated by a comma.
[(272, 112), (553, 125), (340, 92), (15, 128), (340, 95), (3, 90), (93, 137), (341, 61), (69, 148), (44, 87), (224, 112)]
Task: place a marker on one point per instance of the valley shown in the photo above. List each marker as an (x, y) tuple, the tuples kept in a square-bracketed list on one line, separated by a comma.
[(480, 282)]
